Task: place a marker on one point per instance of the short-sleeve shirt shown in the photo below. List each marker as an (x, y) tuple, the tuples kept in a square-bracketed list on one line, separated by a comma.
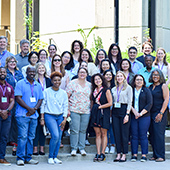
[(3, 57), (136, 66), (8, 93), (23, 88), (79, 101)]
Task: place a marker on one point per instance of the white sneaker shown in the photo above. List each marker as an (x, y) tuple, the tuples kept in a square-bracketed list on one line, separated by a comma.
[(112, 149), (107, 150), (87, 143), (73, 153), (20, 162), (83, 152), (51, 161), (57, 161)]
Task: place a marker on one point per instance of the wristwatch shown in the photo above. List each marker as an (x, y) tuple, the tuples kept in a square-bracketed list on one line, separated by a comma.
[(161, 113), (8, 110)]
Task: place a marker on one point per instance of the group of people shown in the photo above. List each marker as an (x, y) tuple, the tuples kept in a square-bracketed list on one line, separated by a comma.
[(121, 99)]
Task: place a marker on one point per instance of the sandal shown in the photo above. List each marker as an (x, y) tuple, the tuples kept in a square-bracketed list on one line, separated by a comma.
[(160, 160), (152, 159), (96, 158), (102, 157)]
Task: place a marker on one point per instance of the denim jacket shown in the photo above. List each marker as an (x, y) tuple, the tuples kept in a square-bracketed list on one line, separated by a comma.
[(10, 78)]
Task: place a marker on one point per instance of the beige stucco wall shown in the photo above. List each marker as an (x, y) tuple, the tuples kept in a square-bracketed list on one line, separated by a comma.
[(133, 19), (163, 24)]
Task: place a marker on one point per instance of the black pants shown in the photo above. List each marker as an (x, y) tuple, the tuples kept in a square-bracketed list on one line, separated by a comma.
[(121, 131), (157, 137)]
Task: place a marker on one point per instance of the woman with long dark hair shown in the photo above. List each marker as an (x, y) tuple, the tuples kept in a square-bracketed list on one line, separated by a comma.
[(115, 56), (125, 66), (100, 113)]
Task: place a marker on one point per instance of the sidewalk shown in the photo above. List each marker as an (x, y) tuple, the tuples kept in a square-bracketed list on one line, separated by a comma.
[(89, 165)]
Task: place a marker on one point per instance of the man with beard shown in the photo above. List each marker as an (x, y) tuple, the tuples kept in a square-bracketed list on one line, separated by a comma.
[(146, 49), (3, 50), (29, 96), (146, 71), (6, 105), (22, 57)]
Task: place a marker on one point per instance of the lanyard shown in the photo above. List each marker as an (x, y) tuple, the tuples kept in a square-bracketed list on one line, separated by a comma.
[(133, 64), (127, 78), (32, 89), (3, 91), (118, 93), (161, 67), (42, 84), (3, 55)]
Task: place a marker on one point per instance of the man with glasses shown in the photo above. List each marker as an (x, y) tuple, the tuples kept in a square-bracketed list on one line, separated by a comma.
[(135, 64)]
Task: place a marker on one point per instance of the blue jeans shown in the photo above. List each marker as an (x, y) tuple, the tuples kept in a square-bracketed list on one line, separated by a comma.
[(78, 126), (53, 124), (139, 129), (26, 134), (110, 135), (4, 132)]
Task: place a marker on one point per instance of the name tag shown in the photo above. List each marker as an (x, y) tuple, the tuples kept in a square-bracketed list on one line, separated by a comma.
[(117, 105), (32, 99), (4, 99)]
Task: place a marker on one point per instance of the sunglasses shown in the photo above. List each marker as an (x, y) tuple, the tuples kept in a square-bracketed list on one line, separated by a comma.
[(56, 60)]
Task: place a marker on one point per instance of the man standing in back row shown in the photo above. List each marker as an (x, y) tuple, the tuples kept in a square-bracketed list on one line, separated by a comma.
[(3, 50)]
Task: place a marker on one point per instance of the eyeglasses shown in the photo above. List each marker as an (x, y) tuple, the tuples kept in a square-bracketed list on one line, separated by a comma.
[(139, 79), (12, 62), (114, 49), (132, 52), (156, 75), (55, 60), (82, 72)]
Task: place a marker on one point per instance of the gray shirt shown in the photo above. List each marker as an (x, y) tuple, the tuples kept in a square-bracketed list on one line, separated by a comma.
[(22, 60)]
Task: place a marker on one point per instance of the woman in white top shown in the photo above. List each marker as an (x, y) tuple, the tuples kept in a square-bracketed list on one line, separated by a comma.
[(161, 63), (32, 59), (43, 58), (122, 99), (86, 56), (54, 113), (57, 65)]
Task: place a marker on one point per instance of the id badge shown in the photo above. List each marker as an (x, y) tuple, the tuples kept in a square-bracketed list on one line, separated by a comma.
[(32, 99), (117, 105), (4, 99)]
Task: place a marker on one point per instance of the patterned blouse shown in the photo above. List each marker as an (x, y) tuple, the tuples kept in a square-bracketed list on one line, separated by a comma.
[(79, 101)]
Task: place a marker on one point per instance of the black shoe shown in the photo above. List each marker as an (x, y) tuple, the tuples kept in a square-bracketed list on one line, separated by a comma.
[(36, 153), (96, 158), (116, 160), (122, 160), (143, 159), (41, 153), (133, 158), (102, 157)]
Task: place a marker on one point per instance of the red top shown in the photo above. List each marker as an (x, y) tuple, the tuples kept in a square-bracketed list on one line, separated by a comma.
[(9, 93)]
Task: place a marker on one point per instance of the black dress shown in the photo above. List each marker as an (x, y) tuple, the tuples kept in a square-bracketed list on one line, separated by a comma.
[(157, 130), (100, 117)]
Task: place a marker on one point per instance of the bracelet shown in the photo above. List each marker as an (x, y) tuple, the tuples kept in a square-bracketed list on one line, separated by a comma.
[(141, 114), (127, 114), (161, 113), (42, 118)]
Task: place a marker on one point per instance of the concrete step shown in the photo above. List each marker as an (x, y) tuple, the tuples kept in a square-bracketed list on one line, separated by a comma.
[(89, 149), (67, 157)]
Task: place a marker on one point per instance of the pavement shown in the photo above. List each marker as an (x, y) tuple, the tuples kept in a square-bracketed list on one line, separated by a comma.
[(90, 165)]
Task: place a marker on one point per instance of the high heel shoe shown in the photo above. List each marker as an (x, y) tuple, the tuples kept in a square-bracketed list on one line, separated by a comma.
[(96, 158), (102, 157)]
